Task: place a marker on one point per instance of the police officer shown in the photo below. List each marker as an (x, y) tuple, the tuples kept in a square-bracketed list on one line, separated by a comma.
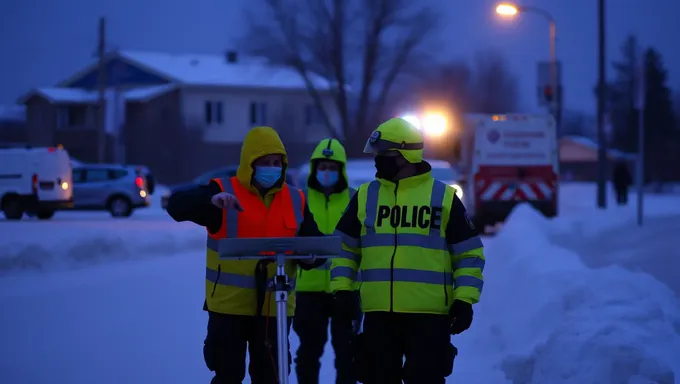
[(328, 194), (256, 202), (420, 259)]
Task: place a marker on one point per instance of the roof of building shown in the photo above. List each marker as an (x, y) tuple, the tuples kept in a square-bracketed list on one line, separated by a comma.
[(592, 144), (76, 95), (215, 70)]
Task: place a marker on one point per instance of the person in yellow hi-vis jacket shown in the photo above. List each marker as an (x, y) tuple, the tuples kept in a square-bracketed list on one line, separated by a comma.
[(421, 261), (328, 194)]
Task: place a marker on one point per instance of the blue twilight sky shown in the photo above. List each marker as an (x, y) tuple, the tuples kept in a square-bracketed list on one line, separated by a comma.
[(43, 41)]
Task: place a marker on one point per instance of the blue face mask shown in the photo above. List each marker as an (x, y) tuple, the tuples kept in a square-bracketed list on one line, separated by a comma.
[(327, 178), (266, 177)]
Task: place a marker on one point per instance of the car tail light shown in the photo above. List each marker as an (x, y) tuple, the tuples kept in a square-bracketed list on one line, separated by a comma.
[(139, 182), (34, 183)]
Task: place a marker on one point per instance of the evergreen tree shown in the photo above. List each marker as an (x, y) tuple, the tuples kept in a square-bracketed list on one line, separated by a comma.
[(659, 119), (621, 94)]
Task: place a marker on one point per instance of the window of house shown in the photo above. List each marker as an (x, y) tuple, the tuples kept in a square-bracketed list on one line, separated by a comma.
[(213, 112), (313, 115), (258, 113), (208, 113)]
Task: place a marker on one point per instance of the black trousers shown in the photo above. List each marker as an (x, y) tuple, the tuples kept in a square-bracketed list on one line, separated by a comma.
[(225, 347), (313, 310), (424, 340), (621, 195)]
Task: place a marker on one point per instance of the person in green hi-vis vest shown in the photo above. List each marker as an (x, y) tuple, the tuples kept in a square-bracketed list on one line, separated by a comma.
[(328, 194)]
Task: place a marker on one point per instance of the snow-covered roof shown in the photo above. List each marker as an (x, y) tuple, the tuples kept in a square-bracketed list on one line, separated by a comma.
[(215, 70), (76, 95)]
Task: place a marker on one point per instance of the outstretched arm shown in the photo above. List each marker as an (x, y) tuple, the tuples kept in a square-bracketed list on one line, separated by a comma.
[(193, 204)]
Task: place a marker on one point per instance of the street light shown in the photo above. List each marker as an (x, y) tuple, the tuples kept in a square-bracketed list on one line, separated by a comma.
[(512, 10), (505, 9)]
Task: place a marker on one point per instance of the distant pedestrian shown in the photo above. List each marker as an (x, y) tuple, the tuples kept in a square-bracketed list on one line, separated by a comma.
[(622, 181)]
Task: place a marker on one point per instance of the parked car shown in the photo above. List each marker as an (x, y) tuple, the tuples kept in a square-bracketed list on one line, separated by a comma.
[(115, 188), (222, 173)]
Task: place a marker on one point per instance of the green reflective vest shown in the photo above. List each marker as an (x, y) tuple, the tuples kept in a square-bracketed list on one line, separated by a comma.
[(327, 211), (405, 263)]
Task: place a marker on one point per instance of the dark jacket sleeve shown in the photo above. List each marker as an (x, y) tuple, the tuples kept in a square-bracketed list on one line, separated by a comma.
[(460, 227), (310, 228), (349, 224), (193, 204)]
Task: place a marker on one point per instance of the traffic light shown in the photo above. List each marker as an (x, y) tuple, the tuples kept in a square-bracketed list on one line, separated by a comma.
[(548, 93)]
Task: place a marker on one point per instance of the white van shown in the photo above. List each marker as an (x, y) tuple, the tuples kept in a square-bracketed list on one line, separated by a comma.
[(35, 180), (509, 159)]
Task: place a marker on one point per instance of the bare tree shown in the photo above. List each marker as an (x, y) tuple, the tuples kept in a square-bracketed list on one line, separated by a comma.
[(361, 46), (495, 88)]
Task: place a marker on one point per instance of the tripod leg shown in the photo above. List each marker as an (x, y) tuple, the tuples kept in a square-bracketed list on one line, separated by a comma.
[(281, 290), (282, 335)]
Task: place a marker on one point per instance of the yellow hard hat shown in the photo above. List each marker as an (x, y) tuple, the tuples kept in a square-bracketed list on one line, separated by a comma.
[(397, 134)]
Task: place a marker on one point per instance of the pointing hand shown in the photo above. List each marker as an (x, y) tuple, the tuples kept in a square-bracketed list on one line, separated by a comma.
[(224, 200)]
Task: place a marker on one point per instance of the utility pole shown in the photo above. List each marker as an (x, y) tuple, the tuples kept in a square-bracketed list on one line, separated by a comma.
[(641, 103), (601, 106), (101, 89)]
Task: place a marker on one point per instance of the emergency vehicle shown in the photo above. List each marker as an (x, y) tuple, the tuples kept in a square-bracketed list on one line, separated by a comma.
[(35, 181), (508, 160)]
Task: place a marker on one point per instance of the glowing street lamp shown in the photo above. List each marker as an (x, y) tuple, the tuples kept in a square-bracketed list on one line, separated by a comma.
[(506, 9)]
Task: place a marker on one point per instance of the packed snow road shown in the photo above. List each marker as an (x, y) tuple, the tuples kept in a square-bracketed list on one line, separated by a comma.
[(119, 301)]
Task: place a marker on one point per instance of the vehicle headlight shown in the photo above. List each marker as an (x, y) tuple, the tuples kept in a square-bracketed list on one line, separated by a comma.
[(64, 185), (459, 190)]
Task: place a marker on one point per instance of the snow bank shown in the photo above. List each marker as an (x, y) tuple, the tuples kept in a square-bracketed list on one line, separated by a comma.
[(62, 246), (550, 319)]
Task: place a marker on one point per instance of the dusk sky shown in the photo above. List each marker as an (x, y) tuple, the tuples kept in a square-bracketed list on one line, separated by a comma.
[(43, 41)]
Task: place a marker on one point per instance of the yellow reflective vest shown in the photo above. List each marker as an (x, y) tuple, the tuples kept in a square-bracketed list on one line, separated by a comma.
[(401, 250)]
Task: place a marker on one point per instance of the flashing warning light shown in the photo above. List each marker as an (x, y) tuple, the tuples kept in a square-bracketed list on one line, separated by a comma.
[(434, 124)]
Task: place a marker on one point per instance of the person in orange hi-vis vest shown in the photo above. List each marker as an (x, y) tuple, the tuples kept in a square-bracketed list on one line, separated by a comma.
[(256, 202)]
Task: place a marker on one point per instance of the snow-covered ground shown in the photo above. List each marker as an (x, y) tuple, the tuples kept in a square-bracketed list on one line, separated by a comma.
[(87, 299)]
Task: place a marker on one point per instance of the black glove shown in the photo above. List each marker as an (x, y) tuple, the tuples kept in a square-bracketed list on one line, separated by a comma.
[(346, 305), (461, 316)]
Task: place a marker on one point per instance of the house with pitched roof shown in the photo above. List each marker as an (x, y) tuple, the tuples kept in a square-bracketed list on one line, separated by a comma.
[(178, 114)]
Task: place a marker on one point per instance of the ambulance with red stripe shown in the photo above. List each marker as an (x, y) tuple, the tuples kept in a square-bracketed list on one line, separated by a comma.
[(507, 160)]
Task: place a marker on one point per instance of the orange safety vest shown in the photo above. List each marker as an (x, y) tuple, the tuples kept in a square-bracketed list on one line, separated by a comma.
[(230, 285)]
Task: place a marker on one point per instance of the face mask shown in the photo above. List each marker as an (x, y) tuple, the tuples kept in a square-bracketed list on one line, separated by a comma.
[(266, 177), (386, 166), (327, 178)]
